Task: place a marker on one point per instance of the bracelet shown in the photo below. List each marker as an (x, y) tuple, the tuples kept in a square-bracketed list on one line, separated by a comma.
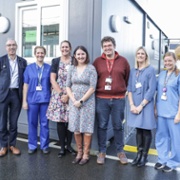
[(142, 104)]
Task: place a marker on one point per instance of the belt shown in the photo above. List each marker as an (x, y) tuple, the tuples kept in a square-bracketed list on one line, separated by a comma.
[(13, 89)]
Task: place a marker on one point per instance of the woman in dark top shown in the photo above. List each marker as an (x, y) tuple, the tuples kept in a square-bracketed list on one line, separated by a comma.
[(58, 110)]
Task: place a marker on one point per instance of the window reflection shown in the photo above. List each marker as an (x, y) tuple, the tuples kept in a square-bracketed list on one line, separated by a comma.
[(50, 29), (29, 31)]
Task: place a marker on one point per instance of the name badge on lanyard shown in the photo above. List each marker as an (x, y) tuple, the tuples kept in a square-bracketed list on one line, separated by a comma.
[(40, 72), (39, 88), (108, 82), (138, 85)]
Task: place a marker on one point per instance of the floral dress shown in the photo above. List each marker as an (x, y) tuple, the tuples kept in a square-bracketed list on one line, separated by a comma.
[(58, 111), (82, 119)]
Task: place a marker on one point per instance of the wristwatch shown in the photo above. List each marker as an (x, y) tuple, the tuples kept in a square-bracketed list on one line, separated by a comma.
[(61, 93), (81, 101)]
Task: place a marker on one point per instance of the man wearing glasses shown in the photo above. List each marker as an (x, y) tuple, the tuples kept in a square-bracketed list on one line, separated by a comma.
[(11, 80)]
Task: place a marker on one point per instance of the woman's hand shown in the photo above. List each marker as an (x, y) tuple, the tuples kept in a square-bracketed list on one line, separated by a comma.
[(64, 98), (133, 109), (177, 118), (139, 109), (77, 104), (25, 105)]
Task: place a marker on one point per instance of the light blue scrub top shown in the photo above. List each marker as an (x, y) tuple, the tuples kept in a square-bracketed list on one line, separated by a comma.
[(168, 108), (31, 78)]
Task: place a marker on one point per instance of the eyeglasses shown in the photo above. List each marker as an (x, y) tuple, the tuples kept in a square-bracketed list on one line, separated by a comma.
[(9, 45)]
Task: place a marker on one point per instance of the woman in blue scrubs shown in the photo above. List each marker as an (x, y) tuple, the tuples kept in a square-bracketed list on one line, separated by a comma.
[(168, 113), (36, 96), (141, 90)]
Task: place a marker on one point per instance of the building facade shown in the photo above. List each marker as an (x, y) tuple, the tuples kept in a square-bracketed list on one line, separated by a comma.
[(47, 23)]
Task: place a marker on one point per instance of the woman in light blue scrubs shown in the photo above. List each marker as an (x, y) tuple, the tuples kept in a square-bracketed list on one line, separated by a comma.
[(36, 96), (168, 113)]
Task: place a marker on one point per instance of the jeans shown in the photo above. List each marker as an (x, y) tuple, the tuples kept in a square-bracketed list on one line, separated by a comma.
[(114, 108)]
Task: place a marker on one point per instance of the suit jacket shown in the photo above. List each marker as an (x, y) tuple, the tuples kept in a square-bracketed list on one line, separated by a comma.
[(5, 77)]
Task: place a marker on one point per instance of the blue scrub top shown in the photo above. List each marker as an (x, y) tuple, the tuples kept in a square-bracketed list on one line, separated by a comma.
[(31, 78), (168, 108)]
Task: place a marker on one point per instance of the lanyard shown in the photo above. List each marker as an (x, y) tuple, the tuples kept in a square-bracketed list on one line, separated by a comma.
[(109, 64), (40, 72), (166, 79)]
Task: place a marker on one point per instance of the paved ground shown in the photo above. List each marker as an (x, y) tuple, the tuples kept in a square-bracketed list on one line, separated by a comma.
[(50, 167)]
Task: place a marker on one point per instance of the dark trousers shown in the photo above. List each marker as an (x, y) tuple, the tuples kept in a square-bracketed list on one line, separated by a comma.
[(9, 113)]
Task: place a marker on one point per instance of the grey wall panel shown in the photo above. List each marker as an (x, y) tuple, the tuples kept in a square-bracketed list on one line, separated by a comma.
[(7, 9), (85, 25), (130, 36)]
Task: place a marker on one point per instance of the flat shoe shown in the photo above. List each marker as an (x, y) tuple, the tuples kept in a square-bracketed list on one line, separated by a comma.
[(61, 153)]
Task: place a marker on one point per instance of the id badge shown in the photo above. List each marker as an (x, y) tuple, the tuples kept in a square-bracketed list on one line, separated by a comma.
[(138, 85), (108, 80), (38, 88), (107, 87), (164, 97)]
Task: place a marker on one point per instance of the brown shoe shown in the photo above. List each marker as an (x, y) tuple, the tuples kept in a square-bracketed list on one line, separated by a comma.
[(122, 158), (3, 151), (101, 158), (14, 150)]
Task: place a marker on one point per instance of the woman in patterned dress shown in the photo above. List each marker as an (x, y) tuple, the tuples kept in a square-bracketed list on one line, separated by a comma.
[(58, 109), (81, 84)]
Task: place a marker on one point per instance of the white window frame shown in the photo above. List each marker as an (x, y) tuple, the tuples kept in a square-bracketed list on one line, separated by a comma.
[(39, 4)]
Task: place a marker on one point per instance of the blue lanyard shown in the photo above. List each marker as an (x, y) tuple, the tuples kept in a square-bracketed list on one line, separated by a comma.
[(40, 72)]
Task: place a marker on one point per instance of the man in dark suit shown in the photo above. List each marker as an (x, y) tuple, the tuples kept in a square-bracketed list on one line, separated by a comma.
[(11, 81)]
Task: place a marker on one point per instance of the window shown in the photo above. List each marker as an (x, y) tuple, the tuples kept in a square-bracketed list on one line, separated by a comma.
[(50, 30), (41, 23), (29, 32)]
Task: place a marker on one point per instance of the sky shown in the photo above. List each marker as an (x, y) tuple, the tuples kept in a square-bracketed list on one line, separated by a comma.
[(166, 13)]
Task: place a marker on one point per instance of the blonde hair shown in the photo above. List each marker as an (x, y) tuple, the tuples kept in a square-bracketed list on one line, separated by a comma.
[(147, 57), (177, 52)]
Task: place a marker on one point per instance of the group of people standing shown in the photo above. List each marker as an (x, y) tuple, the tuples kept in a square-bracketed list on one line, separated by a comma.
[(73, 93)]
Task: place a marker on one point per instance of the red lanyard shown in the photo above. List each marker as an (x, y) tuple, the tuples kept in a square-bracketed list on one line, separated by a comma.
[(109, 64)]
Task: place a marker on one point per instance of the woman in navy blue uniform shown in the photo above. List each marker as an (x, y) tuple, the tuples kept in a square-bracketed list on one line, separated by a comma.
[(36, 96)]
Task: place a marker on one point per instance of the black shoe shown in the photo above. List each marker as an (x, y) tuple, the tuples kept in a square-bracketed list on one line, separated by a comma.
[(142, 162), (71, 150), (159, 166), (137, 159), (61, 153), (167, 169), (31, 151), (46, 151)]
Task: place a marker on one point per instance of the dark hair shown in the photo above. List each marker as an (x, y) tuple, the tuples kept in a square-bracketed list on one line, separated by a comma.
[(75, 62), (66, 41), (39, 47), (174, 57), (108, 39)]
